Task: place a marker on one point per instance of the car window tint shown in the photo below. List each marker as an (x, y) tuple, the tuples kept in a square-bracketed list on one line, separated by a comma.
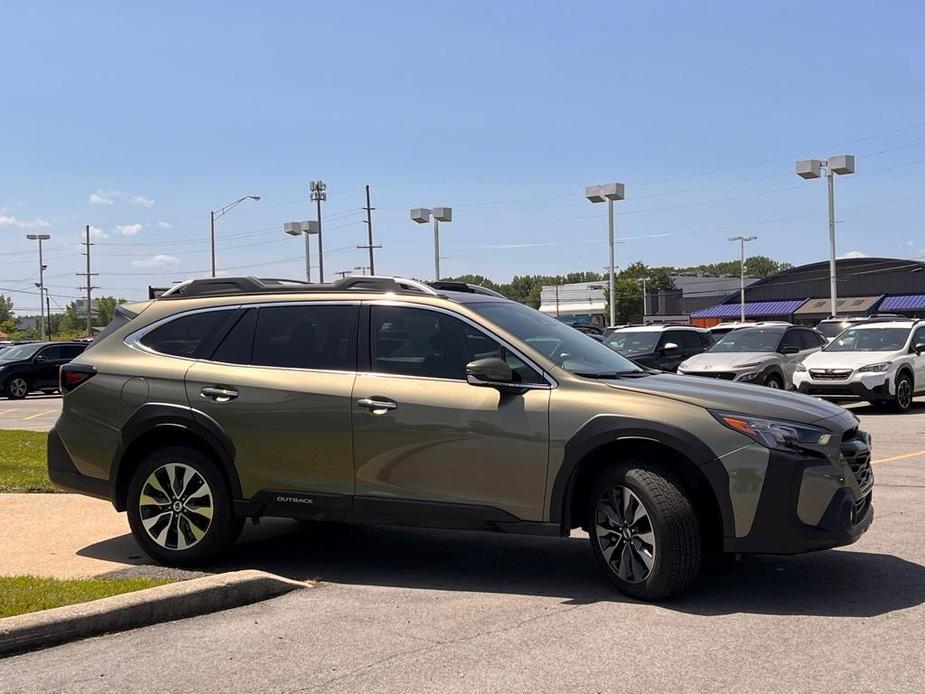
[(49, 353), (307, 337), (238, 344), (687, 339), (918, 338), (183, 336), (791, 339), (419, 342), (71, 351)]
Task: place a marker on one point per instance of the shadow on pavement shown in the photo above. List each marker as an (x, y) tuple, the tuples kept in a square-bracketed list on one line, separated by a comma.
[(866, 409), (836, 583)]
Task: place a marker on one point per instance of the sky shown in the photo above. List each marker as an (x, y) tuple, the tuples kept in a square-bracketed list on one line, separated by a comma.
[(138, 119)]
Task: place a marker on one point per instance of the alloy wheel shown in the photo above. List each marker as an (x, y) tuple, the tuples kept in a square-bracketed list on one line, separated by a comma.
[(772, 383), (176, 506), (904, 393), (18, 388), (625, 534)]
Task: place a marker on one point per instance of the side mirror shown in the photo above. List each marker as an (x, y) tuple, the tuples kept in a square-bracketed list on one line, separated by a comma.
[(490, 372), (670, 347), (789, 349), (40, 358), (920, 348)]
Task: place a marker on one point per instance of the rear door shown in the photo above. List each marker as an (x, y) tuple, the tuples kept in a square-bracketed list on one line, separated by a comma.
[(279, 385)]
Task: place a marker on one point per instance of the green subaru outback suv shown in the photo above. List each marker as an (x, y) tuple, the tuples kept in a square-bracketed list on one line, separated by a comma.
[(385, 400)]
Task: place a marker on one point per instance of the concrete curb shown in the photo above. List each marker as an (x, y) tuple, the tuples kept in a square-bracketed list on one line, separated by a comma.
[(144, 607)]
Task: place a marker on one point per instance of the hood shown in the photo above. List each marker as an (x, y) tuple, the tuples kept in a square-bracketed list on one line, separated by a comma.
[(847, 360), (726, 361), (737, 398)]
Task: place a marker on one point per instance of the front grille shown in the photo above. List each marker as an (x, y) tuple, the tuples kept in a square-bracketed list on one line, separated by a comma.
[(725, 375), (855, 450), (829, 374), (827, 390), (859, 508)]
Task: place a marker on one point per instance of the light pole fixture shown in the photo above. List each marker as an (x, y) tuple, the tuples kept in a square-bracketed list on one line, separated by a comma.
[(645, 308), (422, 215), (742, 241), (218, 214), (41, 284), (842, 165), (307, 228), (608, 192)]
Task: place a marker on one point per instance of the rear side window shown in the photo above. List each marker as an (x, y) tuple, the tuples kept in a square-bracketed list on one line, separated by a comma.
[(186, 336), (307, 337)]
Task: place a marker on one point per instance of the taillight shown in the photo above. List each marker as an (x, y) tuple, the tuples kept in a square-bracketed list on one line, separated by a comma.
[(72, 375)]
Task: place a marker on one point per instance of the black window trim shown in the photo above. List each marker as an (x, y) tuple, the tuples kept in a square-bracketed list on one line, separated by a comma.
[(366, 345)]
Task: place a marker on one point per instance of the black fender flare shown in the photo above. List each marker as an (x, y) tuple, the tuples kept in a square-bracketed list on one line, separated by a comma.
[(152, 416), (605, 429)]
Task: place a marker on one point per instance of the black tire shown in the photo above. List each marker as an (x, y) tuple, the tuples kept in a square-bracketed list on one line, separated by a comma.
[(905, 393), (774, 381), (677, 552), (14, 391), (221, 532)]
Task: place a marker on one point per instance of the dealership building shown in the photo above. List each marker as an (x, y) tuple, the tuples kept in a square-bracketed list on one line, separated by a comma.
[(801, 294)]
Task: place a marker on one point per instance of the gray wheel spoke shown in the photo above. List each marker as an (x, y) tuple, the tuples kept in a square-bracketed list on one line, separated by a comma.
[(624, 532), (171, 519), (642, 554)]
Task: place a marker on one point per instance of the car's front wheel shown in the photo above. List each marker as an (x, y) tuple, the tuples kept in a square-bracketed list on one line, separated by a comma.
[(17, 388), (774, 381), (905, 391), (644, 531), (180, 509)]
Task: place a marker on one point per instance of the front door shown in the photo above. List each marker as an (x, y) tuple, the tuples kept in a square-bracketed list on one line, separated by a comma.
[(422, 433), (918, 337), (47, 363), (279, 385)]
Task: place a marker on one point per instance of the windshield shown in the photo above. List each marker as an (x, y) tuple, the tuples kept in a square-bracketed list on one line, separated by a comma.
[(865, 340), (832, 329), (748, 340), (633, 342), (565, 346), (19, 352)]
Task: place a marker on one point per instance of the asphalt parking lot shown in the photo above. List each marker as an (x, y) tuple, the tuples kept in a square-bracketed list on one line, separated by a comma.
[(35, 413), (420, 610)]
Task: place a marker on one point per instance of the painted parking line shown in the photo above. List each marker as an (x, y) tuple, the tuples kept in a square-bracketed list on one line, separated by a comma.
[(904, 456), (40, 414), (2, 412)]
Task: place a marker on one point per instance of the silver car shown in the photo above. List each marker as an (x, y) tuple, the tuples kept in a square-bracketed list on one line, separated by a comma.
[(764, 355)]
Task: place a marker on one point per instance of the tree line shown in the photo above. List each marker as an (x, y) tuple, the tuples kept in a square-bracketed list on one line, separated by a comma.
[(67, 325)]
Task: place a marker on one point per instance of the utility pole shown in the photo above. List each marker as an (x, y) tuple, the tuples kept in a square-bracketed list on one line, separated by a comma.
[(89, 287), (645, 306), (343, 273), (318, 195), (369, 231), (362, 269), (41, 283), (742, 240)]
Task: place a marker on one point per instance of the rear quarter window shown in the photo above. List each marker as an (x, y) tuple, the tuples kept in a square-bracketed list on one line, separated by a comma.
[(186, 336)]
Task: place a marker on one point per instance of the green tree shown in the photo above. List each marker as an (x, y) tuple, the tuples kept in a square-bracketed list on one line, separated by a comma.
[(6, 309)]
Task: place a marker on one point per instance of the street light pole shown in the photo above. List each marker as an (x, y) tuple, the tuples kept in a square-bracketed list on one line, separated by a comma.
[(307, 228), (600, 193), (645, 305), (422, 215), (812, 168), (742, 241), (41, 285), (218, 214)]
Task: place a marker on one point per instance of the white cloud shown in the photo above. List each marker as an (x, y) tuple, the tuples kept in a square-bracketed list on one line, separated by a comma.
[(853, 254), (163, 225), (9, 221), (157, 261), (109, 197), (129, 229), (97, 233), (101, 197)]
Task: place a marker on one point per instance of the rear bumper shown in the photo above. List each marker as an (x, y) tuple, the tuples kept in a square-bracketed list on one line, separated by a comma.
[(65, 475), (777, 527), (846, 389)]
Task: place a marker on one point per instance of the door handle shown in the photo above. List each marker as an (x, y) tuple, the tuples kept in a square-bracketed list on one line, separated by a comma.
[(377, 406), (218, 394)]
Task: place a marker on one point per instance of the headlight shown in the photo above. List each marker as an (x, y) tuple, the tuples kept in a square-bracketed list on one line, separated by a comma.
[(800, 368), (879, 366), (682, 366), (774, 433), (748, 366)]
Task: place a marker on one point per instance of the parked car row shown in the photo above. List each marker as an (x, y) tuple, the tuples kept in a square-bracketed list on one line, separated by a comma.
[(33, 366), (879, 359)]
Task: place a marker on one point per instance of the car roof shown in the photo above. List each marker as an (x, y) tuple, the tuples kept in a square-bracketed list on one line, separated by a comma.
[(777, 328), (877, 325), (659, 328)]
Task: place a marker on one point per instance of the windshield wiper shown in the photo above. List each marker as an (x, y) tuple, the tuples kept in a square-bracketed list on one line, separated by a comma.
[(612, 374)]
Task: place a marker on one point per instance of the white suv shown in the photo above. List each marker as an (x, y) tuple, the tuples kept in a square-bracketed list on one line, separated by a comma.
[(883, 363)]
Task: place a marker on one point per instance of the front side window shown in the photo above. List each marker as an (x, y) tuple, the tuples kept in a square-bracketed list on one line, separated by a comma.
[(748, 340), (430, 344), (633, 341), (870, 340), (918, 338), (687, 339), (52, 353), (307, 337), (185, 335)]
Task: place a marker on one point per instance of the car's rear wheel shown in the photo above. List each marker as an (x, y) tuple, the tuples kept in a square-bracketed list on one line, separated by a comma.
[(644, 531), (17, 388), (180, 509), (902, 401)]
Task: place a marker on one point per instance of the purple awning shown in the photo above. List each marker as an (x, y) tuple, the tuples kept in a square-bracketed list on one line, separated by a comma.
[(903, 302), (753, 309)]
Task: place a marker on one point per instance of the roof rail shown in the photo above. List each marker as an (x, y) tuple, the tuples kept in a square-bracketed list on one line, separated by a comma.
[(222, 286), (450, 286)]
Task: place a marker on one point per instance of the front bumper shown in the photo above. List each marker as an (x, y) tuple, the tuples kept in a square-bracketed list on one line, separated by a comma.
[(871, 387), (65, 475), (779, 525)]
